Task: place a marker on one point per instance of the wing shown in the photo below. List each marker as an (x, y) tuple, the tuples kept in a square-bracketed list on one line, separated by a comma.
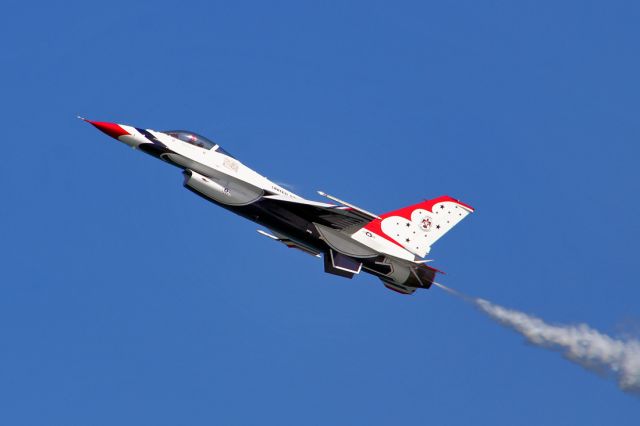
[(337, 217)]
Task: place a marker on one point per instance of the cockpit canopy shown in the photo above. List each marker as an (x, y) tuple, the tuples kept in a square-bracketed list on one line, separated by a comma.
[(192, 138), (195, 139)]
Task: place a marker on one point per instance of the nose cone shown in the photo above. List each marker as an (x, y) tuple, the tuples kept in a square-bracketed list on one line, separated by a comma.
[(111, 129)]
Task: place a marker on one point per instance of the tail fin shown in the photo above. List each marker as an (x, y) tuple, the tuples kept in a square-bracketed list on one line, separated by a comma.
[(417, 227)]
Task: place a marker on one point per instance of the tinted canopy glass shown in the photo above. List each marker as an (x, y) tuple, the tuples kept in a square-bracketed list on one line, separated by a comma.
[(196, 139), (191, 137)]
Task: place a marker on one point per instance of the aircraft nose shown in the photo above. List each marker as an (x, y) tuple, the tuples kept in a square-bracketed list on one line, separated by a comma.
[(112, 129)]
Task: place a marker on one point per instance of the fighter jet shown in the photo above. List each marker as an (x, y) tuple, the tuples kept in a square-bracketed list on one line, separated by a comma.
[(351, 240)]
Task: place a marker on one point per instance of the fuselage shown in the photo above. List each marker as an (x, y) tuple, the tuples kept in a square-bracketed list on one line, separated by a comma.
[(231, 184), (350, 239)]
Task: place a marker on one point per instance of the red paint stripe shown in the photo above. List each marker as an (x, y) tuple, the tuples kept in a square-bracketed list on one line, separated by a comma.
[(111, 129), (426, 205), (375, 226)]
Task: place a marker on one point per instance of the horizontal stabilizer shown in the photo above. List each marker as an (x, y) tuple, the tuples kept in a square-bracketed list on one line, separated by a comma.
[(398, 288)]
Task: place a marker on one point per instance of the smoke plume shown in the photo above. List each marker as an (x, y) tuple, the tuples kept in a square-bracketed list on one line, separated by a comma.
[(581, 344)]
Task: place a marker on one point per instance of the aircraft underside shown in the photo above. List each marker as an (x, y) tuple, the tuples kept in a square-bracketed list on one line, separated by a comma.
[(296, 232)]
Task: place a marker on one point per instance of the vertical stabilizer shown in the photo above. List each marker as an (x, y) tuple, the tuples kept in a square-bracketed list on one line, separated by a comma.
[(416, 228)]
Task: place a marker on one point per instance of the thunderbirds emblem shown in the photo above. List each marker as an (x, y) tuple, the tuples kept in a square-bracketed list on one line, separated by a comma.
[(425, 224)]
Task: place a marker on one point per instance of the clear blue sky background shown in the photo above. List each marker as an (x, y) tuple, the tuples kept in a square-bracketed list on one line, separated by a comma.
[(125, 299)]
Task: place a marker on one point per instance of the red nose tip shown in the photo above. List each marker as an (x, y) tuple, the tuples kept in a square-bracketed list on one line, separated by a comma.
[(111, 129)]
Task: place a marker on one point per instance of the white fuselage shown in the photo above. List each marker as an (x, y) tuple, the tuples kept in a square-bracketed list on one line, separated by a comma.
[(205, 161)]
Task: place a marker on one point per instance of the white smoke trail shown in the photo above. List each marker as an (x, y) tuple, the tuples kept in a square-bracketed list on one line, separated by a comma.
[(578, 343)]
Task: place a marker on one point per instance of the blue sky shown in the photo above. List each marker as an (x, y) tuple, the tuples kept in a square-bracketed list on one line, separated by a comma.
[(127, 300)]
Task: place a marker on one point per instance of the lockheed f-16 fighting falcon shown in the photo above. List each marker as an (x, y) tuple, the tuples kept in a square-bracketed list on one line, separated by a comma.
[(391, 246)]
